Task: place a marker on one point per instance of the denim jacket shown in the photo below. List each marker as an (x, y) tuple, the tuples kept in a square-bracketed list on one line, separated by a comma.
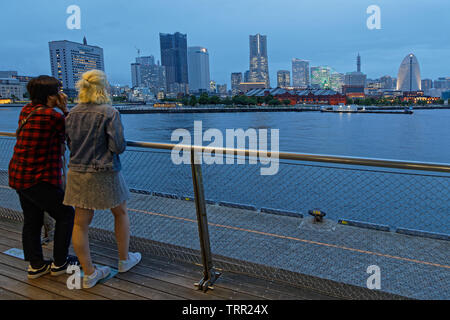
[(95, 138)]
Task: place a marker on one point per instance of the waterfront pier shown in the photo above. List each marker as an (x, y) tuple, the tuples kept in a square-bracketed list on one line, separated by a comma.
[(256, 233)]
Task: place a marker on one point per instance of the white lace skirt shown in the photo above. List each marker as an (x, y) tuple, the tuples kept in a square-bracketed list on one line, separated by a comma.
[(95, 190)]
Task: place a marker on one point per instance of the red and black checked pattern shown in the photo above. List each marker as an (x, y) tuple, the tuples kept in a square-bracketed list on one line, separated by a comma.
[(38, 150)]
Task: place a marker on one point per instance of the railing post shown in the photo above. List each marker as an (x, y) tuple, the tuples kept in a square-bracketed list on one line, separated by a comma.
[(209, 274)]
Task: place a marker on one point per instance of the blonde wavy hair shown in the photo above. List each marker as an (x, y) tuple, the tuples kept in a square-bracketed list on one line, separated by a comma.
[(93, 88)]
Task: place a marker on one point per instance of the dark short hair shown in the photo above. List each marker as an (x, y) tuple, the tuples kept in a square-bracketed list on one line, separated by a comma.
[(42, 87)]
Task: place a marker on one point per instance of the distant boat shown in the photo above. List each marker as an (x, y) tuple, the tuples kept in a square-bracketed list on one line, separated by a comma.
[(408, 110), (356, 109), (167, 105), (339, 108)]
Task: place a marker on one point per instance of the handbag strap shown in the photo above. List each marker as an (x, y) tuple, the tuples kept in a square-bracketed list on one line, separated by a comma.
[(24, 121)]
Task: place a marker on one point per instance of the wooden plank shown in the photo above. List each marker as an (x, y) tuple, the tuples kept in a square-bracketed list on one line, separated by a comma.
[(140, 290), (122, 285), (16, 268), (110, 290), (100, 291), (186, 274), (10, 234), (27, 290), (164, 288), (262, 288), (8, 295), (168, 275), (11, 225), (44, 283), (239, 285)]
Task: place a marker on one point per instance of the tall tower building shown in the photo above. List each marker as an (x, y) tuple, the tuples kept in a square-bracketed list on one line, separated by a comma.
[(300, 73), (283, 79), (358, 63), (409, 74), (259, 64), (198, 69), (236, 79), (69, 60), (174, 59)]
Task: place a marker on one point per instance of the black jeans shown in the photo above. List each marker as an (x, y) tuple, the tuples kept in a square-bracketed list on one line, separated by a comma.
[(34, 201)]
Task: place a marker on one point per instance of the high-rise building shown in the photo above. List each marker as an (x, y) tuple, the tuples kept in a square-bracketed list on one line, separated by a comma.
[(69, 60), (427, 84), (146, 61), (337, 81), (236, 79), (247, 76), (408, 79), (320, 77), (136, 79), (174, 59), (283, 79), (300, 73), (387, 82), (373, 87), (198, 69), (145, 73), (355, 79), (259, 64), (442, 83)]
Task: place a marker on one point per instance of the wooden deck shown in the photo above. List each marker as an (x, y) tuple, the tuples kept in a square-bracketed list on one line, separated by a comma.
[(154, 278)]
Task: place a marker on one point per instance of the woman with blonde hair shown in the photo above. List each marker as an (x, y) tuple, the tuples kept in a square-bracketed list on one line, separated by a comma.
[(94, 182)]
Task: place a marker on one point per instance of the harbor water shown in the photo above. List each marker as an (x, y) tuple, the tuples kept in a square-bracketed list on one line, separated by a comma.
[(379, 196)]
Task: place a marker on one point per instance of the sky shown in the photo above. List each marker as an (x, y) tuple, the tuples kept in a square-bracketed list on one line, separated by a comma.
[(325, 32)]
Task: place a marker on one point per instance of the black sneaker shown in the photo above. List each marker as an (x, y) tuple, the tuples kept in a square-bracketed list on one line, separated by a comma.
[(71, 260), (36, 273)]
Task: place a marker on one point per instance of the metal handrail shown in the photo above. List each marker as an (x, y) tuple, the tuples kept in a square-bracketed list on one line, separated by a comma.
[(370, 162)]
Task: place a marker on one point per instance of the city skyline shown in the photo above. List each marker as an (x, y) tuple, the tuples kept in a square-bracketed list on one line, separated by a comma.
[(119, 32)]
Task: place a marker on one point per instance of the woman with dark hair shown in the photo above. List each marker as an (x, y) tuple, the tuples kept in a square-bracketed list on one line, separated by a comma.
[(35, 174)]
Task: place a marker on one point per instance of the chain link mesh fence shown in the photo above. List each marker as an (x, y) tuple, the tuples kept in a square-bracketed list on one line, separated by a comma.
[(397, 220)]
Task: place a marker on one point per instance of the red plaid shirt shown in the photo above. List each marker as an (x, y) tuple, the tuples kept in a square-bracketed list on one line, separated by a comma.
[(38, 150)]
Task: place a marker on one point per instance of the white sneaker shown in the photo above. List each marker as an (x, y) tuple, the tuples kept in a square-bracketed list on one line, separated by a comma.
[(99, 274), (133, 259)]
